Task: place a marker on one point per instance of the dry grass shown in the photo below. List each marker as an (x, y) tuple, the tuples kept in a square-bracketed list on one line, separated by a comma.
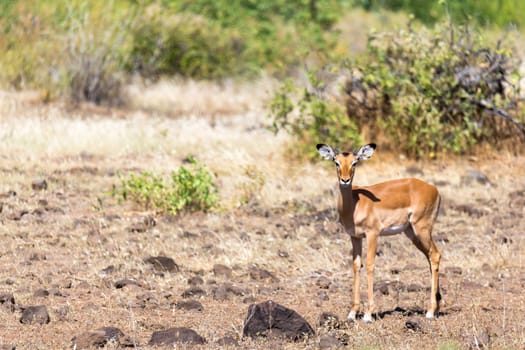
[(276, 214)]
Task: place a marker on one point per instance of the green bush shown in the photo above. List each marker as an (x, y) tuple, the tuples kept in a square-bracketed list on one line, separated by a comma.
[(311, 116), (421, 92), (484, 12), (66, 48), (189, 46), (185, 190)]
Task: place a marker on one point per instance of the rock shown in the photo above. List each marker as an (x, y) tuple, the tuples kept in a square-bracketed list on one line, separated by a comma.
[(162, 263), (413, 324), (271, 319), (7, 301), (323, 282), (258, 274), (413, 287), (100, 338), (329, 320), (193, 291), (220, 270), (35, 314), (39, 184), (173, 336), (189, 305), (126, 282)]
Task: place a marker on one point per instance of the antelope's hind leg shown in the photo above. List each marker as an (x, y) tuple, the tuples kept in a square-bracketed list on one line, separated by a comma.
[(421, 236)]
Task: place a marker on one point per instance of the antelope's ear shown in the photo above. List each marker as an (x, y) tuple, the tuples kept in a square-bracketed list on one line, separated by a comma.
[(326, 151), (366, 152)]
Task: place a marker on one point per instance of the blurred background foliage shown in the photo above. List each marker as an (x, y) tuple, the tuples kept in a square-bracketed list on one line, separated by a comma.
[(429, 69)]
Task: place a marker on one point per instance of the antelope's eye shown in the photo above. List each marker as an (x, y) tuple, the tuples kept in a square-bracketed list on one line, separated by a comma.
[(337, 164)]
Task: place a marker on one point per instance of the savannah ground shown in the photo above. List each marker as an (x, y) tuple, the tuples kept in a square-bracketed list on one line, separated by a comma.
[(75, 240)]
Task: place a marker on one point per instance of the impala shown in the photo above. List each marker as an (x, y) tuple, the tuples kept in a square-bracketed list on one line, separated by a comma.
[(388, 208)]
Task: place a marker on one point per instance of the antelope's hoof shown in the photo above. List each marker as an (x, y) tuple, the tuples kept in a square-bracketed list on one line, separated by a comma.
[(352, 315), (367, 318)]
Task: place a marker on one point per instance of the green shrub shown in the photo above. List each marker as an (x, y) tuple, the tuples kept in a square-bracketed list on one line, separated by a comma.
[(67, 48), (311, 116), (189, 46), (185, 190), (421, 92)]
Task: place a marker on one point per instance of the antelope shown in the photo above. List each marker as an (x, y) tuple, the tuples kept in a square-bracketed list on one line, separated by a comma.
[(404, 205)]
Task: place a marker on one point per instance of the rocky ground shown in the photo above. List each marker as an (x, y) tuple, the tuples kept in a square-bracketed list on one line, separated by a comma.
[(81, 269)]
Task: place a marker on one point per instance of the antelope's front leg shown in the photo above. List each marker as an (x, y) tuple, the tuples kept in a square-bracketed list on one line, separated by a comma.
[(357, 246), (371, 244)]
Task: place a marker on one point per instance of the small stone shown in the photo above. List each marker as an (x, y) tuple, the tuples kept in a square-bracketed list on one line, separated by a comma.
[(222, 271), (175, 336), (413, 324), (41, 293), (228, 340), (323, 282), (329, 320), (189, 305), (98, 338), (195, 281), (162, 263), (7, 301), (126, 282), (193, 291), (39, 184), (35, 314)]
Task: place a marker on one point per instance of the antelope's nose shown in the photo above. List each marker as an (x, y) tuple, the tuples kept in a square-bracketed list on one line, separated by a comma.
[(345, 182)]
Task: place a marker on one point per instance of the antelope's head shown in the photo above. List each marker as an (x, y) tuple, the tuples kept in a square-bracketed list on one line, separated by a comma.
[(346, 162)]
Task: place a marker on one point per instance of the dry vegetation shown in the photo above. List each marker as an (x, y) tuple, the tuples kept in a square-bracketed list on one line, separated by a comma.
[(75, 241)]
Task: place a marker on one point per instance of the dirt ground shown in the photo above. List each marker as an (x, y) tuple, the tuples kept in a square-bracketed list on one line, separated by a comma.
[(75, 249)]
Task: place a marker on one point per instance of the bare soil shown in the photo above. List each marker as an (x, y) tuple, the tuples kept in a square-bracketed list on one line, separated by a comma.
[(67, 246)]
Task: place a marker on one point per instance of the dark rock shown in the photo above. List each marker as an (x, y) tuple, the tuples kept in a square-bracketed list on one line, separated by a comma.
[(35, 314), (413, 324), (474, 175), (7, 301), (271, 319), (193, 291), (100, 338), (126, 282), (17, 215), (222, 271), (39, 184), (175, 336), (329, 320), (162, 263), (189, 305)]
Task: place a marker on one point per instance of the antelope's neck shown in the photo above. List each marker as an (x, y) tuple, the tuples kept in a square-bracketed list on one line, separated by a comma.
[(346, 206)]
